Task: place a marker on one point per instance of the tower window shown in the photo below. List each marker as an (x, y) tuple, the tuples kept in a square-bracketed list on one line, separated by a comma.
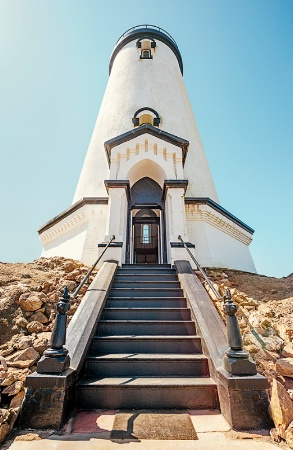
[(146, 54)]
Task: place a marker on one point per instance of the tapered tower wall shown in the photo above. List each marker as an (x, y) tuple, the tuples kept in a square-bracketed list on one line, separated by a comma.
[(135, 83), (146, 129)]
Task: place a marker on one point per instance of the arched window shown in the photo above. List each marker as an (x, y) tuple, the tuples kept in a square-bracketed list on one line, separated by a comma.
[(146, 234), (145, 54)]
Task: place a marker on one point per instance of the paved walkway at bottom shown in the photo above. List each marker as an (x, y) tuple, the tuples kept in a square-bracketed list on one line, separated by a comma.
[(92, 431)]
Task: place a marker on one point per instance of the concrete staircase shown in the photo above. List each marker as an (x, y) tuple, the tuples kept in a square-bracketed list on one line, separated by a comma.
[(146, 353)]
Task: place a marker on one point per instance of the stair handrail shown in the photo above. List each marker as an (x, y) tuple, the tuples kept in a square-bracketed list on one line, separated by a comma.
[(207, 279), (56, 358), (220, 298), (74, 295)]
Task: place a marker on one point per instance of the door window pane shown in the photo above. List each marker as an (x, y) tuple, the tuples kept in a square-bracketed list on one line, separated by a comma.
[(146, 238)]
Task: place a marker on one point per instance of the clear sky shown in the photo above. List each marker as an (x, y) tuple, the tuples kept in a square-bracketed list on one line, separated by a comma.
[(238, 69)]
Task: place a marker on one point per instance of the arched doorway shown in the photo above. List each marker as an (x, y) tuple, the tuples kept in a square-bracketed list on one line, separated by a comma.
[(147, 231)]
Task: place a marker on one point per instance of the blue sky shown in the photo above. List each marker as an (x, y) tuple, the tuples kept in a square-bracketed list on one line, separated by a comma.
[(238, 69)]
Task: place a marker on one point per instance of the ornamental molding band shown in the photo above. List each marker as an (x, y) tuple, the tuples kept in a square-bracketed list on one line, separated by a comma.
[(72, 209), (204, 213), (73, 223)]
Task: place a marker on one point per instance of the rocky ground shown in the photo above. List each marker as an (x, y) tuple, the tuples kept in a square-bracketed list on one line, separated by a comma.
[(265, 313), (28, 297)]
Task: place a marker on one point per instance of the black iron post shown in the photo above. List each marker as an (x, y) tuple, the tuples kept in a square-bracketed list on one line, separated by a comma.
[(236, 359), (55, 358)]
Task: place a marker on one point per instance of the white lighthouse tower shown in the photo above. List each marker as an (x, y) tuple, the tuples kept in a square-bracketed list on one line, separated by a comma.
[(145, 178)]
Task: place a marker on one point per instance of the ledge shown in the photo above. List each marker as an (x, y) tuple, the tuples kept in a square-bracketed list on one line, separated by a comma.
[(180, 245), (113, 244), (173, 184), (219, 209), (73, 208), (116, 184)]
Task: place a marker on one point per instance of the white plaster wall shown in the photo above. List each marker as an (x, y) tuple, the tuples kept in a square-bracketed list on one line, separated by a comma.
[(133, 84), (77, 236)]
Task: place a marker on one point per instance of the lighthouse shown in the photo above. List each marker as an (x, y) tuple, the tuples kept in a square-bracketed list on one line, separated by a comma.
[(145, 177)]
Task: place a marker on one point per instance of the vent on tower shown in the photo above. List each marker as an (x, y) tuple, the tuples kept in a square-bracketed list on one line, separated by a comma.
[(146, 116)]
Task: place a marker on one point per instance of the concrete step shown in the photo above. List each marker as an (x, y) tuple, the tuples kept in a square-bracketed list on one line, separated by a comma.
[(147, 393), (146, 302), (146, 344), (146, 266), (146, 292), (147, 285), (146, 314), (145, 277), (145, 271), (145, 328), (144, 364)]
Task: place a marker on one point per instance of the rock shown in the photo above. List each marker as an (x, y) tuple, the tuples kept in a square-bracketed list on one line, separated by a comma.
[(289, 435), (13, 389), (16, 402), (6, 349), (42, 342), (18, 374), (284, 366), (23, 358), (4, 415), (39, 317), (23, 342), (275, 435), (21, 322), (29, 302), (8, 379), (69, 266), (287, 351), (54, 296), (72, 275), (259, 322), (34, 327), (4, 431), (284, 328), (281, 408), (273, 343), (266, 310), (71, 285), (28, 437)]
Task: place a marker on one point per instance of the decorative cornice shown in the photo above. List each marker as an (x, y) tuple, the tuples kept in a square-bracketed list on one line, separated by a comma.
[(73, 208), (119, 184), (174, 184), (208, 201), (153, 131)]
